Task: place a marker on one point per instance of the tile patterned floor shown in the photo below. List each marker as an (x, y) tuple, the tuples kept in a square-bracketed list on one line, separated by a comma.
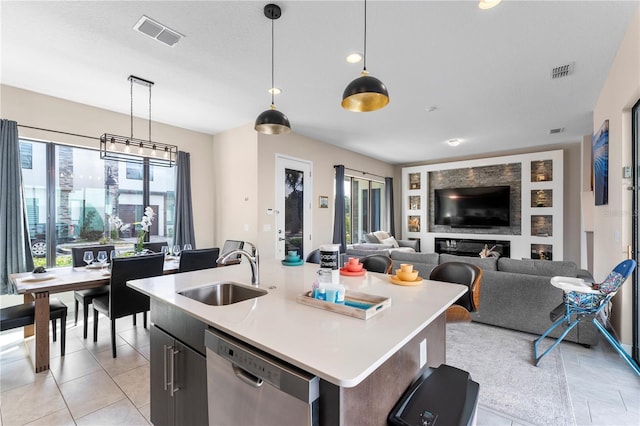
[(89, 387)]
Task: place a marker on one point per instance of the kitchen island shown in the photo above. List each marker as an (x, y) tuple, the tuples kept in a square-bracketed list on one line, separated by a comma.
[(363, 365)]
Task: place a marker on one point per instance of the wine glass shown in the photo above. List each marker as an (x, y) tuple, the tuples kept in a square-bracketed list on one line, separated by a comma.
[(176, 250), (113, 255), (102, 257), (164, 250), (88, 257), (187, 247)]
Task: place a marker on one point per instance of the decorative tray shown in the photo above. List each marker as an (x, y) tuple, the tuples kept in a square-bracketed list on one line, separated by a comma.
[(356, 304)]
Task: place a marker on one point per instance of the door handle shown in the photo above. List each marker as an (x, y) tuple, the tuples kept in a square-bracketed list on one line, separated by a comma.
[(247, 377), (280, 239), (164, 363), (172, 361)]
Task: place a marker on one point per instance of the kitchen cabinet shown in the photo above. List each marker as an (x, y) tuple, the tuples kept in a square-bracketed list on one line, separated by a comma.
[(178, 382), (178, 368)]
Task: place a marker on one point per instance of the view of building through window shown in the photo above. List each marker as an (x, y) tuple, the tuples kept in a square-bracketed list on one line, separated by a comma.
[(95, 201)]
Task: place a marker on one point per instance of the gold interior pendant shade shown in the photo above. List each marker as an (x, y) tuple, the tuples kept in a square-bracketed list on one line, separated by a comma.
[(272, 121), (365, 93)]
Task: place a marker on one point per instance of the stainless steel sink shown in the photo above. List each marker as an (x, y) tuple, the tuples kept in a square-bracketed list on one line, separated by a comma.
[(223, 293)]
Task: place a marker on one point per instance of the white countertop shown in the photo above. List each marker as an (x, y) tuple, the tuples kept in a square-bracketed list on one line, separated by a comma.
[(339, 349)]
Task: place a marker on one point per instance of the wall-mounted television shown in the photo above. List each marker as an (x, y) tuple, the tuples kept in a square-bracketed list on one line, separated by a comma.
[(479, 207)]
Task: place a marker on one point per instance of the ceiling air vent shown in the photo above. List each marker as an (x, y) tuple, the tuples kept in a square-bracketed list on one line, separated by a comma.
[(156, 30), (558, 130), (562, 71)]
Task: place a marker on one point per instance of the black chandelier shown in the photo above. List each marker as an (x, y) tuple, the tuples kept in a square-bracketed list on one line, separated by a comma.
[(129, 149)]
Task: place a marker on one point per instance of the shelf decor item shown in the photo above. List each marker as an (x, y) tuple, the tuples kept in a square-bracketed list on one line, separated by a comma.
[(414, 180), (413, 224), (414, 202)]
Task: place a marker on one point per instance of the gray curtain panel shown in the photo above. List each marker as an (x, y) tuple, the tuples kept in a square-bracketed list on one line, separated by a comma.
[(15, 250), (388, 189), (339, 225), (183, 229)]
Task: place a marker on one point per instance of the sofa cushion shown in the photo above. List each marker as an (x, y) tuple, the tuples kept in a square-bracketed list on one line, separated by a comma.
[(370, 238), (354, 252), (367, 246), (485, 263), (545, 268), (404, 257)]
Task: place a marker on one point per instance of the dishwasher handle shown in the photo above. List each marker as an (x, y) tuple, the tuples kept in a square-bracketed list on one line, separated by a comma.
[(247, 377)]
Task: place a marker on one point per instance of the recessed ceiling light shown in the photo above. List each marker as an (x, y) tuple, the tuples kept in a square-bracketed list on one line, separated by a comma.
[(354, 58), (488, 4), (274, 91), (453, 142)]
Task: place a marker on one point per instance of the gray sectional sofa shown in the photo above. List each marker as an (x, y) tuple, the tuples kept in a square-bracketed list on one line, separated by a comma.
[(515, 294)]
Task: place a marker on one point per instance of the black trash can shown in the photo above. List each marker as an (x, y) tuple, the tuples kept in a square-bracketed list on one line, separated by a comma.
[(441, 396)]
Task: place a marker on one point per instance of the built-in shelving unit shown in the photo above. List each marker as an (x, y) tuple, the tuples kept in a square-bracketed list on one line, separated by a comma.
[(536, 179)]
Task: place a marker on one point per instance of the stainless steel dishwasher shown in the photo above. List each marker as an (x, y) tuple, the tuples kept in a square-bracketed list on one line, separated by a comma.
[(248, 387)]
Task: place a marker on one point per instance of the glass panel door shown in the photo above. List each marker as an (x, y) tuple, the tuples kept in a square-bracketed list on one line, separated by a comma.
[(293, 200)]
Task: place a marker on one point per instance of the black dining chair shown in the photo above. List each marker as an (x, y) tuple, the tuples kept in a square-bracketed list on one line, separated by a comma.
[(314, 256), (25, 314), (86, 296), (122, 300), (460, 273), (155, 247), (194, 260), (377, 263), (228, 246)]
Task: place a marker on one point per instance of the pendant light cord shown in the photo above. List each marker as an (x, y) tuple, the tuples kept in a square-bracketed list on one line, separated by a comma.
[(131, 95), (272, 66), (365, 36), (149, 113)]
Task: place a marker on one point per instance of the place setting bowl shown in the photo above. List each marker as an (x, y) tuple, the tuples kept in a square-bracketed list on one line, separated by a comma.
[(406, 276), (292, 259), (353, 267)]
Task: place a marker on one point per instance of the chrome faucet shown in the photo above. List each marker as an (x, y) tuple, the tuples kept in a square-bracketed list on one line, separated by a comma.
[(252, 257)]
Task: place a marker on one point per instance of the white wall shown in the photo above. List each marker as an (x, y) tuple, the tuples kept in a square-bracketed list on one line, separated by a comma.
[(235, 167), (37, 110), (612, 222), (324, 157)]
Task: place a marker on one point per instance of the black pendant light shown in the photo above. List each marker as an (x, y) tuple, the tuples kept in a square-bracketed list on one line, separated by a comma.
[(272, 121), (365, 93)]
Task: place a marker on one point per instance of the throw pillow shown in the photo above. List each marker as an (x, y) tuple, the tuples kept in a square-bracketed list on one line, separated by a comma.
[(370, 238), (381, 235), (391, 241)]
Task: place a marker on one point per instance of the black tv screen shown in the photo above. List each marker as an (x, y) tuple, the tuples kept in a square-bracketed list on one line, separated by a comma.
[(480, 207)]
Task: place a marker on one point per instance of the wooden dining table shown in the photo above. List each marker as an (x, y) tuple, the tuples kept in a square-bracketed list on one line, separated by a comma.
[(58, 280)]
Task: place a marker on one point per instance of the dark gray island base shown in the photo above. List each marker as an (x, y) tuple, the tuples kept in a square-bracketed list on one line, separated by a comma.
[(179, 375)]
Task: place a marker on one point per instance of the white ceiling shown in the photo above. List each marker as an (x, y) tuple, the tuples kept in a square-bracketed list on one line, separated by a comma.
[(488, 72)]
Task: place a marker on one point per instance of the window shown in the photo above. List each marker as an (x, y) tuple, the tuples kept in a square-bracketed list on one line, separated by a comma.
[(364, 207), (95, 201), (26, 157)]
